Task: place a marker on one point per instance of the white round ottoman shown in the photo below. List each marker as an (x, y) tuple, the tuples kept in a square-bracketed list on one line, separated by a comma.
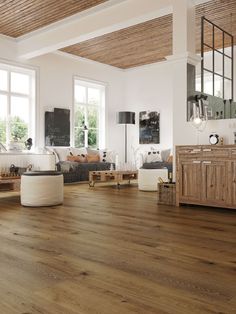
[(148, 178), (41, 188)]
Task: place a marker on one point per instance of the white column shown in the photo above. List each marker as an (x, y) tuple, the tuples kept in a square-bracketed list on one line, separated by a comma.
[(183, 27), (183, 53)]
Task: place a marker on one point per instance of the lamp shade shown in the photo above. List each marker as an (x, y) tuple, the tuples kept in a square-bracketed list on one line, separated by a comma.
[(126, 117)]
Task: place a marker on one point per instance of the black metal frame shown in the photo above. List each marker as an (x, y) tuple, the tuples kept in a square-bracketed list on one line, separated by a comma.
[(203, 44)]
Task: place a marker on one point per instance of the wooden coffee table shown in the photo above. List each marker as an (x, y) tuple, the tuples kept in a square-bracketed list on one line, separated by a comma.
[(115, 176)]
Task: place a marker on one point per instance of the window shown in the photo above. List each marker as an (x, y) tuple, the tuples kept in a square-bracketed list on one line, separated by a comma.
[(17, 103), (217, 61), (89, 114)]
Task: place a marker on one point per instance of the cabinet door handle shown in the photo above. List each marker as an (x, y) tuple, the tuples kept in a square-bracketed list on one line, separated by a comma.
[(206, 162), (196, 161), (196, 150)]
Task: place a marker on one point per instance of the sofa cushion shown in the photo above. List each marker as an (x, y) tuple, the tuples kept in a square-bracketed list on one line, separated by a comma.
[(153, 156), (158, 165), (93, 158), (79, 158)]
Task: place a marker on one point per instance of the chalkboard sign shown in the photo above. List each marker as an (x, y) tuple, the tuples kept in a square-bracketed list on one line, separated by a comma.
[(57, 127)]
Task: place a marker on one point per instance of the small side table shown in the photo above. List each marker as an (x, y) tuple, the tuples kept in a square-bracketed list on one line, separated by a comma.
[(166, 194), (10, 184)]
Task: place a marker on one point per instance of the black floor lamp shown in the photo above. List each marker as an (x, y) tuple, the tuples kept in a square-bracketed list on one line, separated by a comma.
[(126, 117)]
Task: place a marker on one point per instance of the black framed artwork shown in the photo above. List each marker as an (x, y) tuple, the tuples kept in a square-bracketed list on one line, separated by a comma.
[(149, 127), (57, 127)]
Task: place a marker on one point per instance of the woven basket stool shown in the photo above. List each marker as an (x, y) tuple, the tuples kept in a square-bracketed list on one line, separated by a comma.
[(41, 188)]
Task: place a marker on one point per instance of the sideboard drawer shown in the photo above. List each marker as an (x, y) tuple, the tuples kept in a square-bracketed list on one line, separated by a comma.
[(233, 153), (190, 152), (215, 152)]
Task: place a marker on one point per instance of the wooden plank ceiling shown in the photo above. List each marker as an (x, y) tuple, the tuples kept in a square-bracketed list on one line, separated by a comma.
[(136, 45), (19, 17), (151, 41)]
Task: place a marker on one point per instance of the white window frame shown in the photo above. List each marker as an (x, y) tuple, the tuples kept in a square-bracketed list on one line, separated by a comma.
[(9, 68), (101, 109)]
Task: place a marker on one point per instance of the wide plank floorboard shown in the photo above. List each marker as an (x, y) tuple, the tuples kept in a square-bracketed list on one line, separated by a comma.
[(110, 251)]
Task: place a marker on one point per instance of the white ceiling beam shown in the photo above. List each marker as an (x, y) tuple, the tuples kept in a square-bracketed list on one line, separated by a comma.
[(8, 47), (109, 19), (197, 2)]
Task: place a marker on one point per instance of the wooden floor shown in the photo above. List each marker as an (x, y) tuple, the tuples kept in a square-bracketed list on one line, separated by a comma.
[(109, 251)]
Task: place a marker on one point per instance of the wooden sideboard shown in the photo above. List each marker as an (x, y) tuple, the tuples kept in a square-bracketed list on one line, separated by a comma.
[(206, 175)]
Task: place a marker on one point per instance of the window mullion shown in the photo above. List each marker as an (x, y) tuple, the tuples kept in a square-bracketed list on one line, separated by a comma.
[(86, 119), (86, 108), (21, 95), (30, 106), (8, 120)]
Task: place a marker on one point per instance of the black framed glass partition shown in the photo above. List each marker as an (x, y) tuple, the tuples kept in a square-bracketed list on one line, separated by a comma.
[(211, 84), (216, 61)]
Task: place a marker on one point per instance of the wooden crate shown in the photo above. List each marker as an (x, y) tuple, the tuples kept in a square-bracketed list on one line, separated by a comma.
[(166, 193)]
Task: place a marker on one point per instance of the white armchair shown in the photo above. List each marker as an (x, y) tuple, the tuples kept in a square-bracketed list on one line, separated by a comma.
[(148, 178)]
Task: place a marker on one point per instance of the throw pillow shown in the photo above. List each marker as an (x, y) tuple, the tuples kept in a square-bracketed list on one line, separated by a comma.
[(78, 151), (91, 151), (62, 152), (52, 151), (170, 159), (153, 156), (93, 158), (165, 154), (107, 155), (79, 158)]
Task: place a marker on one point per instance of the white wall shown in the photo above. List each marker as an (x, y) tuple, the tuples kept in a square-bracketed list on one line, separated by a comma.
[(56, 90), (149, 88)]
